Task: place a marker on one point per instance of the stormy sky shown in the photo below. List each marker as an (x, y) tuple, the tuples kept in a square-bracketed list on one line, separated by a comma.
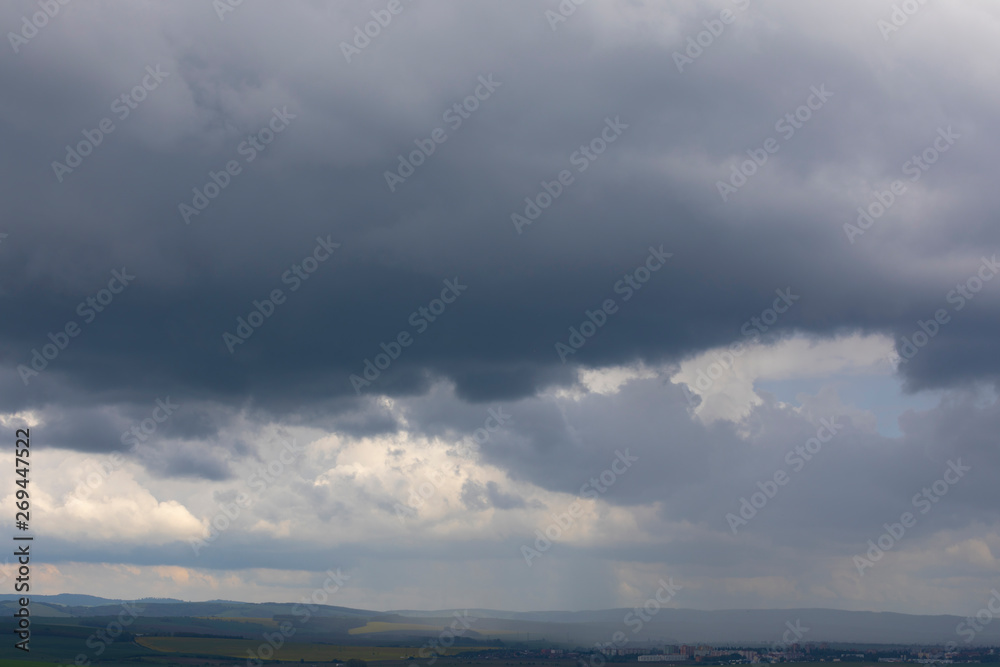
[(519, 304)]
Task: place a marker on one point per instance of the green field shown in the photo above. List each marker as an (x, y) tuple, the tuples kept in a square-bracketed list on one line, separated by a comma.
[(383, 626), (240, 648), (269, 622), (62, 649)]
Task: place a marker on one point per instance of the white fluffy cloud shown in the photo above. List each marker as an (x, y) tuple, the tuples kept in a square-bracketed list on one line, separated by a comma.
[(725, 381)]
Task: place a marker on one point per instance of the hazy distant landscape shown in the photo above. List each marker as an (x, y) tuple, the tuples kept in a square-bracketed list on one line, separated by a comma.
[(230, 629)]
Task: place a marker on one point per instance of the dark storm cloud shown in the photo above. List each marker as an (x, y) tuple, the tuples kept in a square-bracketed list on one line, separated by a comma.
[(86, 430), (187, 460), (323, 176), (486, 371)]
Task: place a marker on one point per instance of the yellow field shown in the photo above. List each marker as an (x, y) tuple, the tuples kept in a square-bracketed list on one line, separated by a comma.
[(382, 626), (240, 648)]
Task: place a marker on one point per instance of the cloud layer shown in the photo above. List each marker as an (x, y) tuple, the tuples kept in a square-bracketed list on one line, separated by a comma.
[(614, 228)]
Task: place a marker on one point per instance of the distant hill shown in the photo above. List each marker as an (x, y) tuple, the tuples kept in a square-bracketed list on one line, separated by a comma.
[(582, 628), (74, 600), (750, 626)]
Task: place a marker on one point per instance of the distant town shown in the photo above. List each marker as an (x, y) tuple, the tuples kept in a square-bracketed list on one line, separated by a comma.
[(707, 655)]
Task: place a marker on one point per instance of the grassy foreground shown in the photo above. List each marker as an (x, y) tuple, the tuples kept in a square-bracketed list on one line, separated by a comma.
[(241, 648)]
